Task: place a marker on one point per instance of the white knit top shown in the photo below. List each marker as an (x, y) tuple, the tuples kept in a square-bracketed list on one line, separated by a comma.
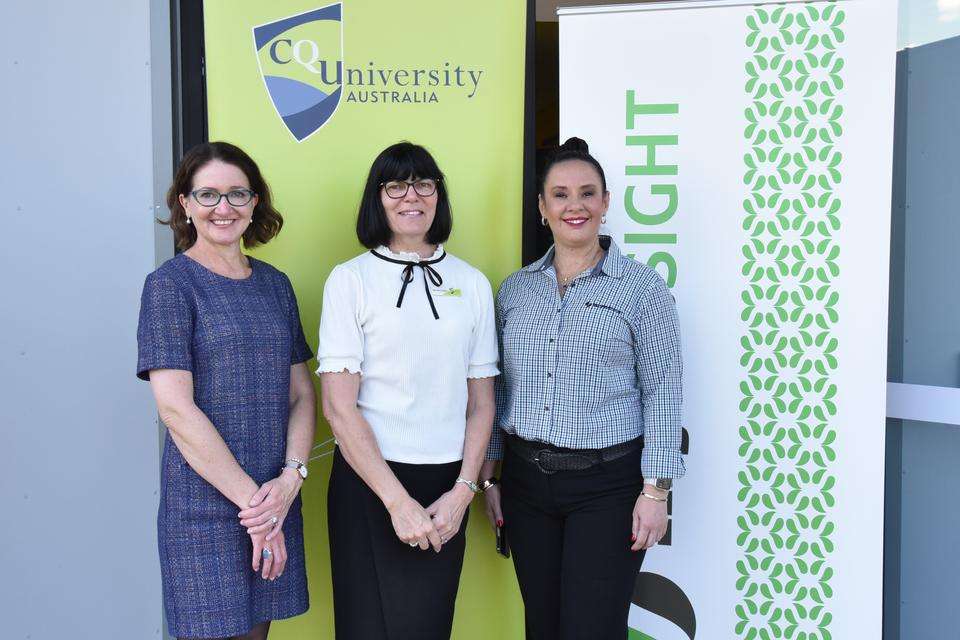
[(413, 366)]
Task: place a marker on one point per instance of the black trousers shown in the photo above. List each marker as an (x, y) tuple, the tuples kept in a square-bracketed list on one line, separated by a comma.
[(382, 587), (570, 535)]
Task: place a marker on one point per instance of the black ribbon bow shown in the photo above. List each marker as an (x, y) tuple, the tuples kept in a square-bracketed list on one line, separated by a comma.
[(428, 273)]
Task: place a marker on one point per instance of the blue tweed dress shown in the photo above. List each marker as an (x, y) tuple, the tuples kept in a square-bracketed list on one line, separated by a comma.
[(239, 339)]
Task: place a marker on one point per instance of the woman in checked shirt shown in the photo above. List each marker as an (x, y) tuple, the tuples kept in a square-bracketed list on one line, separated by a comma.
[(588, 413)]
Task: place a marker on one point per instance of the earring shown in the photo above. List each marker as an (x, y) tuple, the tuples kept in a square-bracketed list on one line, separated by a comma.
[(543, 221), (603, 219), (188, 220)]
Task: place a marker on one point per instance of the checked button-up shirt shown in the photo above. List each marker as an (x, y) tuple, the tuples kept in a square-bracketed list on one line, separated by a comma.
[(597, 367)]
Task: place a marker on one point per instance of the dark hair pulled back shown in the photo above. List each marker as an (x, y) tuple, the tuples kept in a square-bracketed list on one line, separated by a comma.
[(573, 149)]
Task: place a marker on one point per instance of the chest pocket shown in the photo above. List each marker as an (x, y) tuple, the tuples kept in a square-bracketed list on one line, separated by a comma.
[(610, 331)]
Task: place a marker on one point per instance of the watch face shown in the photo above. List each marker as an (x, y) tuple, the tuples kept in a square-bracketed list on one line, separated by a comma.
[(303, 471), (664, 483)]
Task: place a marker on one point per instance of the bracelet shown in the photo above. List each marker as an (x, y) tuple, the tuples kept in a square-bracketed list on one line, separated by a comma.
[(489, 482), (650, 497), (470, 483)]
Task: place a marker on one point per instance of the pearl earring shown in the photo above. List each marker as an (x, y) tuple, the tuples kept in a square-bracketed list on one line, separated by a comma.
[(188, 220)]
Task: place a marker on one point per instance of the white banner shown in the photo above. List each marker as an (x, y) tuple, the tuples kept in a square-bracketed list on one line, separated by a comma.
[(748, 156)]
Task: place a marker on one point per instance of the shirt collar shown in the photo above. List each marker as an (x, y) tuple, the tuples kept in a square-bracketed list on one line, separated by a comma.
[(610, 265), (542, 263)]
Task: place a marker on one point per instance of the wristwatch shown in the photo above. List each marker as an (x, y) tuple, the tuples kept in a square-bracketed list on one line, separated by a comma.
[(293, 463), (664, 484), (489, 482)]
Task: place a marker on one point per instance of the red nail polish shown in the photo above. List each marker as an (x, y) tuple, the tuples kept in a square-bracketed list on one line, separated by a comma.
[(633, 538), (499, 523)]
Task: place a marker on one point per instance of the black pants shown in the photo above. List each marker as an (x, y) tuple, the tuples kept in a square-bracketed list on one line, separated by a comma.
[(570, 535), (382, 587)]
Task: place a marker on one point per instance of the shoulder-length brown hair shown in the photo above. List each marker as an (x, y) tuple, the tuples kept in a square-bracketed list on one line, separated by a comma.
[(266, 222)]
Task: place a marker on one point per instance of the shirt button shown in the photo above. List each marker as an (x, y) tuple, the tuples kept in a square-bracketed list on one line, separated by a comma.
[(549, 375), (546, 408), (551, 340)]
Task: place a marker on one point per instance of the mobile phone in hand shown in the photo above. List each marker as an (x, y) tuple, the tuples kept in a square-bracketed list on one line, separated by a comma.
[(503, 547)]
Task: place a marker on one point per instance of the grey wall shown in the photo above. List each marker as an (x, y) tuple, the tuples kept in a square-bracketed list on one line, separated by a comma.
[(931, 303), (894, 428), (79, 479), (929, 237)]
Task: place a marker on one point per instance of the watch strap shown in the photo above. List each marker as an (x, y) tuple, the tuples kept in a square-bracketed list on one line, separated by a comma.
[(298, 465), (664, 484)]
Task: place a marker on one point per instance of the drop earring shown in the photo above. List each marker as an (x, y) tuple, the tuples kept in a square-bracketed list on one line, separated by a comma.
[(603, 219), (188, 220), (543, 221)]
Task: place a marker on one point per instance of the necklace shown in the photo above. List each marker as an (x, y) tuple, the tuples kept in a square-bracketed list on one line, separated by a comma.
[(591, 259)]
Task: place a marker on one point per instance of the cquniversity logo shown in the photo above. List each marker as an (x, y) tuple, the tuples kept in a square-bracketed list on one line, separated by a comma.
[(301, 61)]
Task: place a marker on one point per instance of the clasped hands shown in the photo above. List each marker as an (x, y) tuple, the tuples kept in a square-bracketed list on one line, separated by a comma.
[(264, 518), (434, 525)]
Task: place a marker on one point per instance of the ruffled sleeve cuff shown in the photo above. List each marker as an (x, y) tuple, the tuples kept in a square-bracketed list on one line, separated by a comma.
[(337, 365)]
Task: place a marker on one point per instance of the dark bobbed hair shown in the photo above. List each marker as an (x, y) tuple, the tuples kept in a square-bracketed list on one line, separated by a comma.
[(399, 162), (572, 149), (266, 222)]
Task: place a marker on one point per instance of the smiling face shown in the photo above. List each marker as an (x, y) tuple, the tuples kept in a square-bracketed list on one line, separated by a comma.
[(223, 224), (574, 202), (410, 216)]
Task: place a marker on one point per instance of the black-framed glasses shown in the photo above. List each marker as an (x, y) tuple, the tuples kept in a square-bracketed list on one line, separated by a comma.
[(212, 197), (398, 188)]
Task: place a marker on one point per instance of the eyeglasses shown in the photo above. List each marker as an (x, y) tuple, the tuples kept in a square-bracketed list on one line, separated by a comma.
[(212, 197), (399, 188)]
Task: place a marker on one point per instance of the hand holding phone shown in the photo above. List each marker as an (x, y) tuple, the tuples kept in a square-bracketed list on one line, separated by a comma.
[(503, 547)]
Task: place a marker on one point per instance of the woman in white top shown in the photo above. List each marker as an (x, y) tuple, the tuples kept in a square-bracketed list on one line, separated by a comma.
[(407, 356)]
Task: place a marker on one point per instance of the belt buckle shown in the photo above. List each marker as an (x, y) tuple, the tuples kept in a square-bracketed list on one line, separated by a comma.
[(536, 461)]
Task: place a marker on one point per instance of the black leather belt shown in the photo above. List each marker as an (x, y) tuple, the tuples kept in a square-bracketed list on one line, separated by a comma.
[(550, 459)]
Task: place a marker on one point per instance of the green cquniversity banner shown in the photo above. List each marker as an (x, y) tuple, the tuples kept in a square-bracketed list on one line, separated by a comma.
[(749, 150), (313, 91)]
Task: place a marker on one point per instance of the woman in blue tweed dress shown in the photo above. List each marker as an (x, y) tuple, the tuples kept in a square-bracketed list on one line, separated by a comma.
[(221, 343)]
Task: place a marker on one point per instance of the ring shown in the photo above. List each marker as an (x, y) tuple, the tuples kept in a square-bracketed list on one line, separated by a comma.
[(413, 544), (442, 540), (273, 520), (267, 554)]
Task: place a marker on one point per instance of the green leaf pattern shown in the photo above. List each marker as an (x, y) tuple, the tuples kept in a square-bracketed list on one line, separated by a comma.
[(794, 119)]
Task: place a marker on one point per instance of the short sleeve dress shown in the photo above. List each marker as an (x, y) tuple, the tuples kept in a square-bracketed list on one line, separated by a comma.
[(239, 339)]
